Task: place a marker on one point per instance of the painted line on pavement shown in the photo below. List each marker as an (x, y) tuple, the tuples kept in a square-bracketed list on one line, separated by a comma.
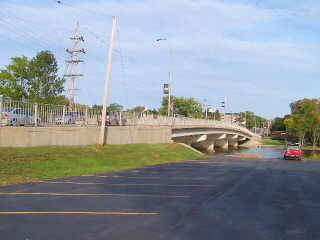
[(80, 213), (133, 184), (209, 163), (166, 178), (192, 161), (92, 195)]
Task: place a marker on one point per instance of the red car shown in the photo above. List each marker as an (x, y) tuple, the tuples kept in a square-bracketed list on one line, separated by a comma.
[(293, 151)]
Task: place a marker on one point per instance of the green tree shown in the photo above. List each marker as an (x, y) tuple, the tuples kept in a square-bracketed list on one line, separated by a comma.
[(188, 107), (138, 109), (35, 80), (44, 84), (115, 107), (251, 120), (304, 123), (278, 124), (61, 100), (14, 78), (217, 115)]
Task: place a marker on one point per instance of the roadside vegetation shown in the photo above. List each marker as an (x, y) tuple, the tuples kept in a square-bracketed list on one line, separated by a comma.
[(303, 124), (273, 142), (18, 165), (311, 155)]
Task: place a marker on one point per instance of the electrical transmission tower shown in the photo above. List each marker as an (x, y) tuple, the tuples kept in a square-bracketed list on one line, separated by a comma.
[(74, 61)]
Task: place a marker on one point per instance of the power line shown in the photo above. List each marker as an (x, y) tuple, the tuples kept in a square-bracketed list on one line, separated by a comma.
[(123, 63), (22, 34)]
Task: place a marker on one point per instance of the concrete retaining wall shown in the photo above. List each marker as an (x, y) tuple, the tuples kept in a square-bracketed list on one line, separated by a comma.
[(50, 136)]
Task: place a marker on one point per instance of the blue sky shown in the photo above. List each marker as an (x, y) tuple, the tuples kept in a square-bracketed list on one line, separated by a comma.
[(261, 54)]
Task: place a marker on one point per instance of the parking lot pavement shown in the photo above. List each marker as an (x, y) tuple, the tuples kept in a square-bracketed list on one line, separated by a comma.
[(219, 198)]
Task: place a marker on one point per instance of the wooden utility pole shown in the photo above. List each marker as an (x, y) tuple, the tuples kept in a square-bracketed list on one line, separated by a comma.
[(104, 109)]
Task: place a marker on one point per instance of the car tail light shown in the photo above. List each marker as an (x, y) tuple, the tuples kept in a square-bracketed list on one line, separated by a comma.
[(5, 115)]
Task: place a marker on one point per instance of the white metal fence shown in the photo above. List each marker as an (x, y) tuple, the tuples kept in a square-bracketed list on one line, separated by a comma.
[(19, 113)]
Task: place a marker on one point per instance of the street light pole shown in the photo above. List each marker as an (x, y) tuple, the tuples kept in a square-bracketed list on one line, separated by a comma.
[(206, 108), (170, 73), (225, 111)]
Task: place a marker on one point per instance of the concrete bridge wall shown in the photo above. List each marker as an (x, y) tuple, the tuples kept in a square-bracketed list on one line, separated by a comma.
[(67, 136), (204, 139)]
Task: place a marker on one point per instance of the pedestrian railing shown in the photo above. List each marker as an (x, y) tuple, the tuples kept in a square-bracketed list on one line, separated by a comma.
[(20, 113)]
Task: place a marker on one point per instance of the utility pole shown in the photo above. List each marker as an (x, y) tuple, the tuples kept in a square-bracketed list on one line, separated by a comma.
[(106, 88), (170, 79), (170, 73), (74, 61), (206, 100), (225, 111), (255, 124)]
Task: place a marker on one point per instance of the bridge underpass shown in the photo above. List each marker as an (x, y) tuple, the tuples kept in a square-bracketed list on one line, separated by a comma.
[(209, 139)]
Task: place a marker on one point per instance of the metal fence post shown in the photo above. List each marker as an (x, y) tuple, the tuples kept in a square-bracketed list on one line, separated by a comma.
[(1, 103), (86, 120), (134, 118), (63, 115), (36, 114)]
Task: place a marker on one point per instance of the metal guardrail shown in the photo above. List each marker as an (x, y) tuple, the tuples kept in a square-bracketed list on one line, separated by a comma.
[(19, 113)]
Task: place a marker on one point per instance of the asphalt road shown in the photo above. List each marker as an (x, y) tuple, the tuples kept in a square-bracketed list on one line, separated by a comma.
[(219, 198)]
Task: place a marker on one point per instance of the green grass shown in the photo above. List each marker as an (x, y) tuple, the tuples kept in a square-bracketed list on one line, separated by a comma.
[(19, 165), (271, 142), (311, 155)]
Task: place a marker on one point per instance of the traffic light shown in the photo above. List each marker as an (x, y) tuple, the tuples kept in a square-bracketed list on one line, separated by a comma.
[(165, 88)]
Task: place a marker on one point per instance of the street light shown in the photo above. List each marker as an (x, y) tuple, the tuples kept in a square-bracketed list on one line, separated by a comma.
[(170, 73)]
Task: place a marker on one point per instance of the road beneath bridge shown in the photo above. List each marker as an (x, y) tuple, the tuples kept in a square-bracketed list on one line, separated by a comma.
[(218, 198)]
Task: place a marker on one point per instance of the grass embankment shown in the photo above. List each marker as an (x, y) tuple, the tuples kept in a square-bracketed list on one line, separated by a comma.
[(273, 143), (19, 165)]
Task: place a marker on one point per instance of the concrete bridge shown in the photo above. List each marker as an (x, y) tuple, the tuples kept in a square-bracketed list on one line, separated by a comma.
[(205, 135), (208, 139)]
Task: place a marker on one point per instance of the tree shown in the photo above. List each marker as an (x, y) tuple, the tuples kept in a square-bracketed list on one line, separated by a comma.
[(34, 80), (44, 83), (278, 124), (153, 111), (304, 122), (297, 127), (188, 107), (97, 107), (217, 115), (138, 109), (14, 78), (115, 107)]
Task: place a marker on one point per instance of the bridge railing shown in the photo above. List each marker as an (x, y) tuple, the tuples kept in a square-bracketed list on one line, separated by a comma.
[(179, 122)]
